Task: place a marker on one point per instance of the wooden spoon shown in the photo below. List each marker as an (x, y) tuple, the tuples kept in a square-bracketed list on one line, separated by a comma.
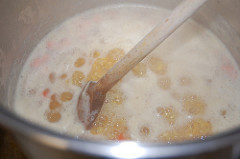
[(93, 94)]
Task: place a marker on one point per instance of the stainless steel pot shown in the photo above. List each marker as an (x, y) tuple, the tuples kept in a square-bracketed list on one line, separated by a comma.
[(23, 23)]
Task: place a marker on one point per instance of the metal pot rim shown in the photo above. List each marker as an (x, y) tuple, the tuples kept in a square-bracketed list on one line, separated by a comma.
[(123, 149)]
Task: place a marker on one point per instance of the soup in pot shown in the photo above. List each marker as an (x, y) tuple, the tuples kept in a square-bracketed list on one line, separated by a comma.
[(187, 88)]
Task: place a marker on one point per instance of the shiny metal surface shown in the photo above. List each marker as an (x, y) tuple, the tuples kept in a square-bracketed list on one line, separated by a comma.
[(23, 23)]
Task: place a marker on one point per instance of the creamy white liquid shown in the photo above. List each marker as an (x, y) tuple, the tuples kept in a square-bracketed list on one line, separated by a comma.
[(192, 51)]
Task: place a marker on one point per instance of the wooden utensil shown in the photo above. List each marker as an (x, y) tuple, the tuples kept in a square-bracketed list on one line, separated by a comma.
[(93, 93)]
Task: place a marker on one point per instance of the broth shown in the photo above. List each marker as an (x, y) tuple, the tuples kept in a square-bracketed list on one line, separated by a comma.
[(186, 89)]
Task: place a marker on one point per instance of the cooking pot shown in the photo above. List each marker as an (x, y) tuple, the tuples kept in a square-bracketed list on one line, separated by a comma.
[(23, 23)]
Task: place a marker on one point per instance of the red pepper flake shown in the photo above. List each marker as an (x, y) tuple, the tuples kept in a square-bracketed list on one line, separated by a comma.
[(229, 68), (121, 137), (45, 92), (38, 61), (51, 44)]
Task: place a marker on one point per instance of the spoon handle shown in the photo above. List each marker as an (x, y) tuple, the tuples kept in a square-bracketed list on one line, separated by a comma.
[(155, 37)]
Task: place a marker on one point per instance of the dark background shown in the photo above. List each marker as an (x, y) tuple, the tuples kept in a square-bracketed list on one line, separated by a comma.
[(9, 149)]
